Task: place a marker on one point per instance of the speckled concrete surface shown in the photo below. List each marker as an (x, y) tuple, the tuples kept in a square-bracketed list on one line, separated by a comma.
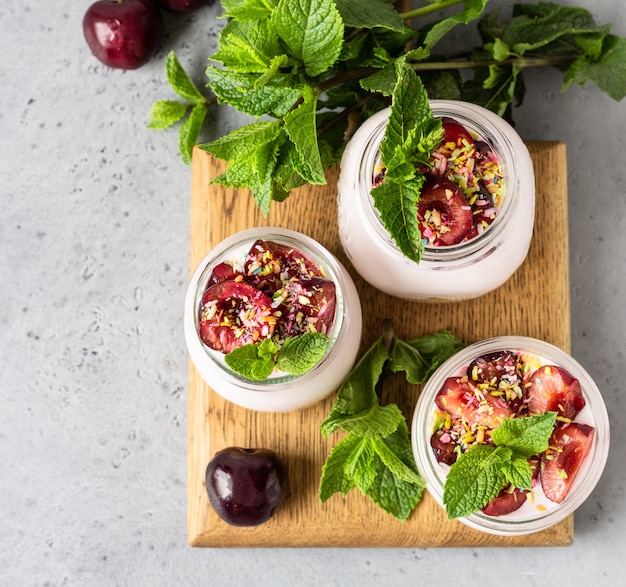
[(94, 230)]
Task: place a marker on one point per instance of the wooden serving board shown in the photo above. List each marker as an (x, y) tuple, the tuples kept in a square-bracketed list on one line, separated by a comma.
[(534, 302)]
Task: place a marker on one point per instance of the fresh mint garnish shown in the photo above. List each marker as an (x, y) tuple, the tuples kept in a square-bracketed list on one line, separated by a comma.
[(526, 436), (296, 356), (411, 135), (253, 361), (376, 455), (475, 479), (300, 354), (165, 113), (330, 64), (300, 126), (312, 30), (479, 474)]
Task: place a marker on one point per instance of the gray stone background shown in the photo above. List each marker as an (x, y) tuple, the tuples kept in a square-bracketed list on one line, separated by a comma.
[(94, 238)]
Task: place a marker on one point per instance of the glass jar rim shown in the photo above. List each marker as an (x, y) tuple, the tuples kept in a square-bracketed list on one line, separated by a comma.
[(227, 249), (490, 128), (596, 460)]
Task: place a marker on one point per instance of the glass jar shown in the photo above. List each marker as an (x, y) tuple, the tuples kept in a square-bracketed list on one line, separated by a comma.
[(280, 392), (455, 272), (537, 512)]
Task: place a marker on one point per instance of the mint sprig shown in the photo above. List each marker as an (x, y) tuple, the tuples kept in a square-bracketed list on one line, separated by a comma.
[(479, 474), (297, 355), (165, 113), (411, 135), (376, 455), (323, 64)]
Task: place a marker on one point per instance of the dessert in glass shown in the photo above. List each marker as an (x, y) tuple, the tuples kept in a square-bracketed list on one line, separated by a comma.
[(510, 380), (272, 320), (475, 213)]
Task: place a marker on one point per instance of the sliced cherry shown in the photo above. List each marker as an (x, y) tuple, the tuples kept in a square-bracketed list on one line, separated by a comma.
[(445, 217), (506, 502), (306, 305), (224, 272), (553, 389), (235, 313), (570, 444), (511, 499), (454, 132), (268, 265), (463, 401), (500, 372), (443, 447), (496, 365)]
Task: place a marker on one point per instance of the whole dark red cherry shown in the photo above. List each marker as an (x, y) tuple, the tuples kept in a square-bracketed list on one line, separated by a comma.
[(245, 485), (183, 5), (123, 34)]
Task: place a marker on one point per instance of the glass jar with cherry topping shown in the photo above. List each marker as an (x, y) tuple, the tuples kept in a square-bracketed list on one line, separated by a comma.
[(475, 213), (272, 320), (513, 378)]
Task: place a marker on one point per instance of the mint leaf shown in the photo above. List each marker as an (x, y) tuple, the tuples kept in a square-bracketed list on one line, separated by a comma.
[(518, 473), (312, 30), (376, 455), (435, 348), (442, 85), (190, 130), (496, 88), (242, 142), (390, 490), (252, 152), (396, 465), (241, 92), (419, 358), (300, 353), (267, 348), (608, 71), (256, 172), (526, 436), (246, 10), (393, 495), (247, 47), (301, 127), (165, 113), (358, 391), (411, 134), (500, 50), (375, 422), (475, 479), (361, 465), (383, 81), (179, 80), (397, 205), (473, 9), (334, 478), (368, 14), (479, 474), (251, 362), (527, 33), (409, 110)]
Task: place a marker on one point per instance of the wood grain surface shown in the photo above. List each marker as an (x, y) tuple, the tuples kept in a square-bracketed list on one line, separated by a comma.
[(534, 302)]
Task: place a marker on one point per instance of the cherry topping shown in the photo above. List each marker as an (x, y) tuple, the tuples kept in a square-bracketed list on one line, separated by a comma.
[(459, 398), (443, 447), (306, 305), (445, 217), (456, 133), (268, 265), (569, 446), (235, 313), (553, 389)]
